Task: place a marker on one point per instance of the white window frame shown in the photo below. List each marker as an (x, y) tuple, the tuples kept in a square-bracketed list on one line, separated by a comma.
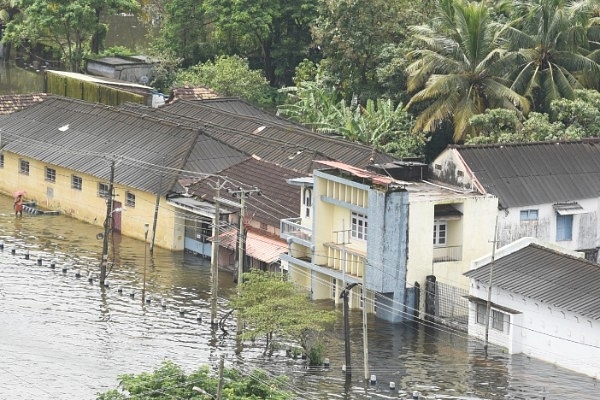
[(440, 239), (307, 201), (481, 314), (529, 215), (359, 226)]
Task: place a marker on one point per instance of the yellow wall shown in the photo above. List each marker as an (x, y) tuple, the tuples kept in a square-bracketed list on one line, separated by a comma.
[(86, 205), (477, 223)]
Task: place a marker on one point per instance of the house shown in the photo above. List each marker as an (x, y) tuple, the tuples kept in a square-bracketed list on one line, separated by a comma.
[(546, 190), (63, 151), (268, 200), (136, 69), (543, 302), (406, 242)]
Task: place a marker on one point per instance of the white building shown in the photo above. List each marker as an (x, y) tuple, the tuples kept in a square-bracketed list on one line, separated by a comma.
[(546, 190), (544, 302)]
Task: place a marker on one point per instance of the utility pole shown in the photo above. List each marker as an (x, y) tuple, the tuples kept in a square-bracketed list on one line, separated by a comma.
[(489, 298), (344, 295), (220, 385), (214, 265), (107, 224), (156, 205), (243, 194), (364, 328)]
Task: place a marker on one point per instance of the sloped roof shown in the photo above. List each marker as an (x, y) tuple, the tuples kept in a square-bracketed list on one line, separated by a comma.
[(254, 131), (84, 137), (192, 93), (14, 102), (263, 248), (536, 173), (277, 199), (547, 275)]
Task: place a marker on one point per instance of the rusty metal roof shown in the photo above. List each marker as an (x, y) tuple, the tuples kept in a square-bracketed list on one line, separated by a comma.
[(536, 173), (274, 139), (150, 153), (277, 199), (10, 103), (549, 276)]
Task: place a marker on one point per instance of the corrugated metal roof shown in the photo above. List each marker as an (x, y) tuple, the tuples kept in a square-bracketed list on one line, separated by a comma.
[(273, 139), (278, 199), (261, 247), (543, 274), (84, 137), (536, 173)]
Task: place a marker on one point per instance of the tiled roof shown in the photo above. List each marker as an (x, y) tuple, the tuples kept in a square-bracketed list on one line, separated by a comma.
[(277, 199), (192, 93), (263, 248), (14, 102), (536, 173), (84, 137), (273, 139), (543, 274)]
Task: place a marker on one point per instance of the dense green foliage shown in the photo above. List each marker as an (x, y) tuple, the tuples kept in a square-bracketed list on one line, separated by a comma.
[(72, 27), (273, 307), (169, 381), (347, 67)]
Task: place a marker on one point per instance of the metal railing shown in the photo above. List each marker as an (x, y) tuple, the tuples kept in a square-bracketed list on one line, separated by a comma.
[(447, 253), (291, 228)]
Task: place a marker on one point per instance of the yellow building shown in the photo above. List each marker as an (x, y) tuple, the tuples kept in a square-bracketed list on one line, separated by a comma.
[(62, 152), (397, 239)]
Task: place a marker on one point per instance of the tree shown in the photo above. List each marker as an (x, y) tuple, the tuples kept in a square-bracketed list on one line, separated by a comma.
[(170, 381), (355, 37), (229, 76), (271, 305), (276, 32), (550, 50), (183, 32), (457, 73), (63, 24)]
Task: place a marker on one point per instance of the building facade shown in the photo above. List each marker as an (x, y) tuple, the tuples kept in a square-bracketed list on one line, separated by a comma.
[(387, 235), (543, 303)]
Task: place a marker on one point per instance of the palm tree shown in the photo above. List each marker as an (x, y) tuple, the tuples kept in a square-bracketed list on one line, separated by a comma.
[(458, 72), (550, 47)]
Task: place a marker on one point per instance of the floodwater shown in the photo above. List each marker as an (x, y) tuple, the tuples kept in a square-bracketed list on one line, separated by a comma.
[(62, 337)]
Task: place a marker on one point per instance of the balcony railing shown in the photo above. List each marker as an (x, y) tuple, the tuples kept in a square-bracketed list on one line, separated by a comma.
[(447, 253), (291, 228)]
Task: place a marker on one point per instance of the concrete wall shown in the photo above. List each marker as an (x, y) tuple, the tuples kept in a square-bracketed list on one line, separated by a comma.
[(542, 331), (86, 205)]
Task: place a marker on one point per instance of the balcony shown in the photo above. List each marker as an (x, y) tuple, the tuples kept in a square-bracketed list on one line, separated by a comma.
[(447, 253), (290, 229)]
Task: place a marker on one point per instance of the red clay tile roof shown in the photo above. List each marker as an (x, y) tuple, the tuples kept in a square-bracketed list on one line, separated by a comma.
[(14, 102)]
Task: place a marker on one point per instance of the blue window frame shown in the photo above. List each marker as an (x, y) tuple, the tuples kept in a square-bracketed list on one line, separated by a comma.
[(564, 227)]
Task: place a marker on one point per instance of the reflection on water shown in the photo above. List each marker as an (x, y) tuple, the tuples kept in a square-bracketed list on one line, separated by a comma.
[(63, 337), (20, 80)]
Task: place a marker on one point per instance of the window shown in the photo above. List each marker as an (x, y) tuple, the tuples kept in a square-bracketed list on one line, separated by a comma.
[(129, 199), (1, 160), (24, 167), (440, 230), (564, 227), (500, 320), (481, 313), (359, 226), (76, 182), (333, 288), (307, 201), (50, 174), (529, 215), (103, 190)]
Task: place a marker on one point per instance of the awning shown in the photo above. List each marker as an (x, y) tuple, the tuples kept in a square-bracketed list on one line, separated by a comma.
[(568, 208), (263, 248)]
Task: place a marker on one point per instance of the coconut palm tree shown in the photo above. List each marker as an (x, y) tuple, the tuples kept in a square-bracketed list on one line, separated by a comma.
[(458, 70), (550, 47)]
